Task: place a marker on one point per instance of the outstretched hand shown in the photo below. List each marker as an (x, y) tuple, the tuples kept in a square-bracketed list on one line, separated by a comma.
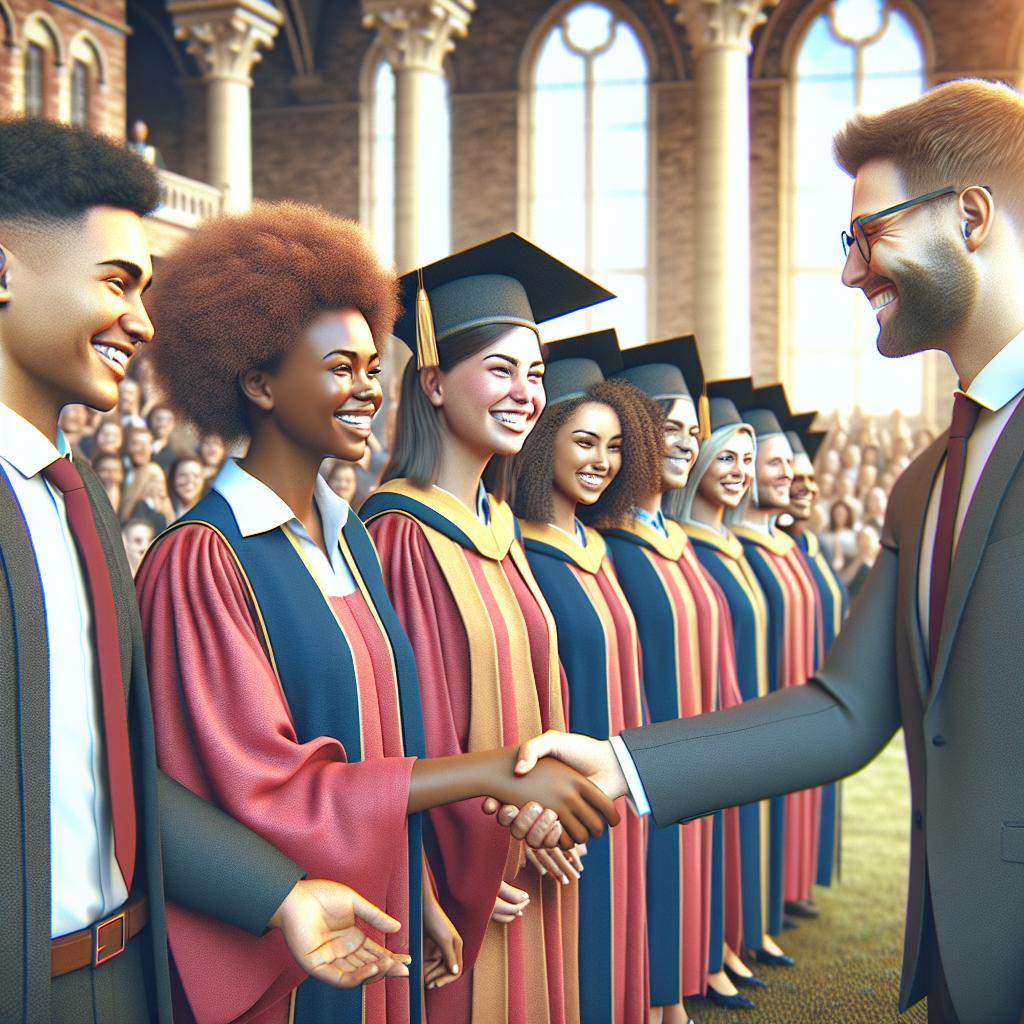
[(581, 807), (318, 920), (593, 758)]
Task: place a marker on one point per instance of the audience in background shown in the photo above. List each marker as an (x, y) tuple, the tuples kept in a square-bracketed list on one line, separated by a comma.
[(137, 535), (187, 483)]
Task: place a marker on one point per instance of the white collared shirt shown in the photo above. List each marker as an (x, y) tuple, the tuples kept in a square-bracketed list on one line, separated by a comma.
[(259, 509), (85, 881), (998, 389)]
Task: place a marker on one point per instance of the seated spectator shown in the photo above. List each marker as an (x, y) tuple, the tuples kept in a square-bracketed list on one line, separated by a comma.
[(136, 535), (875, 502), (856, 570), (106, 440), (849, 458), (922, 439), (138, 451), (161, 423), (146, 497), (211, 454), (342, 480), (845, 492), (871, 455), (867, 477), (187, 483), (72, 425), (110, 469), (129, 401), (830, 462), (839, 541)]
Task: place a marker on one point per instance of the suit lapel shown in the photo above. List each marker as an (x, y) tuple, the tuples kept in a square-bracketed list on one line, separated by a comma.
[(981, 514), (925, 469)]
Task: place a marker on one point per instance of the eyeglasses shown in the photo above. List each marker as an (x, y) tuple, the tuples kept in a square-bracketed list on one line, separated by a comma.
[(858, 235)]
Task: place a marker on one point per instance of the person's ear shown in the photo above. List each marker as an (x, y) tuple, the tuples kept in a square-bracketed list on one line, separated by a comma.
[(432, 385), (5, 278), (257, 386), (977, 212)]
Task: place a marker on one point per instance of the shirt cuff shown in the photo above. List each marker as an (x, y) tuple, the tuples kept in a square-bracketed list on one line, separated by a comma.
[(637, 797)]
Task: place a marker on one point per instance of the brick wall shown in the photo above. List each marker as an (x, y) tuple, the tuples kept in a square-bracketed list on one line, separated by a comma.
[(103, 21)]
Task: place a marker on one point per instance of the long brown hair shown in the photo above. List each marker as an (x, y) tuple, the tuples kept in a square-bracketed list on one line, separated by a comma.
[(534, 467), (419, 432)]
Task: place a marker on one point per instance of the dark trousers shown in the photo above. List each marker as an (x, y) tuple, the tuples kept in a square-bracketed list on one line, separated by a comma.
[(113, 993)]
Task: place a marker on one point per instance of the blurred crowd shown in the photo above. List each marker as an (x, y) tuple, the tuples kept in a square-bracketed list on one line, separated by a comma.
[(155, 468), (857, 466)]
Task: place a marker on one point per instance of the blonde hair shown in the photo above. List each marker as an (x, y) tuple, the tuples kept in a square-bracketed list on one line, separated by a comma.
[(967, 132)]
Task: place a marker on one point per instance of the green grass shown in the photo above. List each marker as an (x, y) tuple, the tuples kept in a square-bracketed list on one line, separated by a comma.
[(848, 959)]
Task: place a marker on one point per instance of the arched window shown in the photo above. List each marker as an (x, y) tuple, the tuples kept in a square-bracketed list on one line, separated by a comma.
[(379, 194), (88, 75), (857, 55), (43, 57), (589, 166), (80, 93)]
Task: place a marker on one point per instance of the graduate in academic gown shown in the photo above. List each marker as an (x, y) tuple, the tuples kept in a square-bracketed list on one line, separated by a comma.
[(483, 635), (284, 687), (720, 481), (833, 600), (593, 450), (694, 888), (792, 627)]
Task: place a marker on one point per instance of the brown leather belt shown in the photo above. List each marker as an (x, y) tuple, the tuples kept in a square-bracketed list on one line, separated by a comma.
[(101, 942)]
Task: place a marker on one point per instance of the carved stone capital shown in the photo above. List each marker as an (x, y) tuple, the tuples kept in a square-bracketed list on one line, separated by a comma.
[(725, 24), (418, 33), (226, 36)]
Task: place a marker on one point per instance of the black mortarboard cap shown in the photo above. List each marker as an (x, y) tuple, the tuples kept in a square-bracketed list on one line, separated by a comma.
[(767, 411), (723, 413), (573, 364), (813, 440), (507, 280), (665, 369)]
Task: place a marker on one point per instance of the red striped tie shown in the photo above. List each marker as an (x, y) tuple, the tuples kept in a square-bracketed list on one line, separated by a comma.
[(965, 415), (66, 479)]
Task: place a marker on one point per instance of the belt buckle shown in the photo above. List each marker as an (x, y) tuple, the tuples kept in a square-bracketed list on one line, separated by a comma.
[(106, 946)]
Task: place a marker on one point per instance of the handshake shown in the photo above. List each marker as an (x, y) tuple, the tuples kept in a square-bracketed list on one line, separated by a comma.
[(560, 808)]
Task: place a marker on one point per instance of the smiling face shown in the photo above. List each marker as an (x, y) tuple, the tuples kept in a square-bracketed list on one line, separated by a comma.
[(804, 490), (921, 282), (187, 482), (491, 400), (682, 444), (774, 467), (727, 479), (587, 453), (325, 393), (75, 314), (139, 446)]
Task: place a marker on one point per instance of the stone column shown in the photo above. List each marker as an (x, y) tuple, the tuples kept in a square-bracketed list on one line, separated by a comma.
[(719, 32), (417, 35), (225, 37)]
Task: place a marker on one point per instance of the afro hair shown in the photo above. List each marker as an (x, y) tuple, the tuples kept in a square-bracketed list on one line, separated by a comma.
[(640, 475), (53, 172), (236, 295)]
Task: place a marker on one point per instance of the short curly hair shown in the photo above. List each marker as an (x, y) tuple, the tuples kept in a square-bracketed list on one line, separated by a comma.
[(53, 172), (237, 294), (640, 475)]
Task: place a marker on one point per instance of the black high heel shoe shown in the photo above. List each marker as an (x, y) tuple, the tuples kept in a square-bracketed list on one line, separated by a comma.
[(762, 956), (733, 1002), (744, 980)]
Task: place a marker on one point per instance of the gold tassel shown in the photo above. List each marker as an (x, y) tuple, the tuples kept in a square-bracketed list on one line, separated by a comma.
[(426, 341), (704, 415)]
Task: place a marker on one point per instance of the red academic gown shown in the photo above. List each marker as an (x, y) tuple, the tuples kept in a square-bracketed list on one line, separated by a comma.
[(782, 555), (224, 730), (486, 652)]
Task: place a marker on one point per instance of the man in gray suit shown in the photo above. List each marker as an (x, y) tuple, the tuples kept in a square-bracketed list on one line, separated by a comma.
[(935, 641)]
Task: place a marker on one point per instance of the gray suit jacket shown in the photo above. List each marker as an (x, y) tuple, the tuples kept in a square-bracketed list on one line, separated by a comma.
[(204, 859), (964, 732)]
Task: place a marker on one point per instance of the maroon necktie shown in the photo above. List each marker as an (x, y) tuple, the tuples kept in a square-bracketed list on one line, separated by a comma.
[(63, 476), (965, 415)]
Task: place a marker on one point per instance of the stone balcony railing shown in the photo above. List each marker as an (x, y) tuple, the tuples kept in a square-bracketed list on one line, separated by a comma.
[(186, 202)]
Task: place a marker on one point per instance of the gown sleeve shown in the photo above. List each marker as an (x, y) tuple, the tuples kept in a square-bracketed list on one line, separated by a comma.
[(467, 849), (224, 731)]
